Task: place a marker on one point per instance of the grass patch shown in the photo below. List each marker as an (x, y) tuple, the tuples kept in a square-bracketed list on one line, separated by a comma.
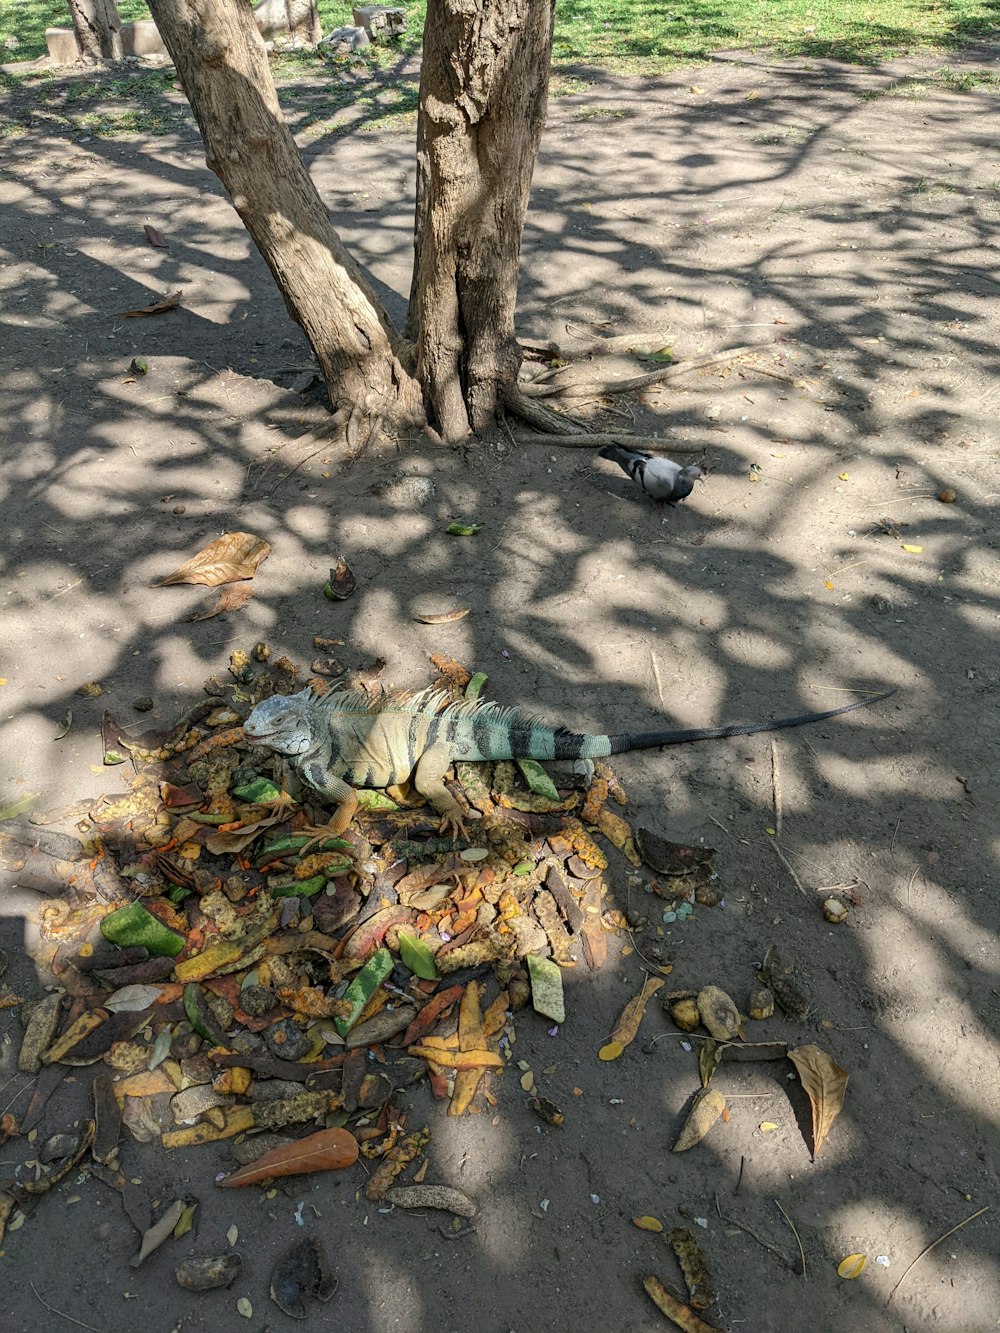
[(644, 36)]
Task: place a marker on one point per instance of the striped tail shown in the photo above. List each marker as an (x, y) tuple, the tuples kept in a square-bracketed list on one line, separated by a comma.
[(649, 740)]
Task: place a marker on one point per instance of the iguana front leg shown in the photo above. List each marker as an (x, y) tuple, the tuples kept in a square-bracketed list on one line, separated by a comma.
[(334, 789), (428, 778)]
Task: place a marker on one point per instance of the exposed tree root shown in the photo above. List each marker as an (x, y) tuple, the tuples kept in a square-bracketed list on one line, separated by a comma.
[(599, 439), (542, 418), (588, 388)]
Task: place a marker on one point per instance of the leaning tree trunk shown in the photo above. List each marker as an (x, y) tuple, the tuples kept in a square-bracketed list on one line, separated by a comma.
[(483, 92), (97, 25), (222, 63)]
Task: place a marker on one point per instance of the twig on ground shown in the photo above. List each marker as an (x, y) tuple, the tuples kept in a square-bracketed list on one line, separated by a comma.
[(656, 676), (754, 1236), (798, 1242), (61, 1313), (934, 1243), (776, 787), (718, 825), (788, 866), (892, 844)]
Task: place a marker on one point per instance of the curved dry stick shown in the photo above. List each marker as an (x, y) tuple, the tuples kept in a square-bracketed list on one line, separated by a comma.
[(585, 440), (671, 372)]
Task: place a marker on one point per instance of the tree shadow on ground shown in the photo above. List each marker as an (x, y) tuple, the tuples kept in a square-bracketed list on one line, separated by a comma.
[(801, 216)]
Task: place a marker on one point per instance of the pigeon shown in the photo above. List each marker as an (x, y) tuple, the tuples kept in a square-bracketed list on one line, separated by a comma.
[(657, 477)]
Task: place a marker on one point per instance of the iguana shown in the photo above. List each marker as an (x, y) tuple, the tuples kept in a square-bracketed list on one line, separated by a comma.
[(347, 739)]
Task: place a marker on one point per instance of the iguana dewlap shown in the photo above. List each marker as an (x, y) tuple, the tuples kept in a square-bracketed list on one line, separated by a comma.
[(346, 739)]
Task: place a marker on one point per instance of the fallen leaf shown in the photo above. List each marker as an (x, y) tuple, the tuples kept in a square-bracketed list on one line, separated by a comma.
[(647, 1223), (244, 1307), (853, 1266), (157, 308), (825, 1084), (706, 1108), (462, 529), (913, 550), (154, 1237), (443, 617), (327, 1150), (230, 599), (229, 559), (629, 1020), (766, 1126), (154, 237)]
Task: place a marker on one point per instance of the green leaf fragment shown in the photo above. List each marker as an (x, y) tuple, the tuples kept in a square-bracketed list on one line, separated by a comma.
[(17, 807), (261, 791), (537, 779), (113, 757), (375, 800), (462, 529), (302, 888), (546, 988), (200, 1016), (363, 987), (133, 925), (417, 956), (476, 685)]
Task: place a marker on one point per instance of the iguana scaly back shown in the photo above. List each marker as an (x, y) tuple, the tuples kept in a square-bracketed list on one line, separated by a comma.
[(346, 739)]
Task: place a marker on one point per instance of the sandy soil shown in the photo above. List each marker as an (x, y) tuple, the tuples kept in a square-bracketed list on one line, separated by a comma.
[(847, 221)]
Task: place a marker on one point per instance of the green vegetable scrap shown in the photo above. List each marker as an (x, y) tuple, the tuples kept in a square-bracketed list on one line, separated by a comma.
[(476, 685), (301, 888), (363, 987), (261, 791), (134, 926), (462, 529), (417, 956), (200, 1015), (546, 988), (537, 779)]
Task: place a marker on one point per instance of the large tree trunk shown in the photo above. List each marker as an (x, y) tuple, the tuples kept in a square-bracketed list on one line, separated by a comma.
[(98, 29), (483, 93), (222, 64)]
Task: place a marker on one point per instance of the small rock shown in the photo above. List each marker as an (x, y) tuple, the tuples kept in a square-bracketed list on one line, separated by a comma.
[(257, 1000), (947, 496), (879, 604), (287, 1041), (142, 705)]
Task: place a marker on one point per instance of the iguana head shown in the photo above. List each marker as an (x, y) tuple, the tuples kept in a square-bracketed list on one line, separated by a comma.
[(282, 723)]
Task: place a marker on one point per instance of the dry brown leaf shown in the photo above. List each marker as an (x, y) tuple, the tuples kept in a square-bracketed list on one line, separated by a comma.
[(327, 1150), (230, 599), (154, 237), (825, 1084), (443, 617), (228, 559), (628, 1023), (706, 1108), (169, 302)]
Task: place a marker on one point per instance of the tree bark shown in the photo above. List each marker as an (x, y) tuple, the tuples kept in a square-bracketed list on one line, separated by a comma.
[(97, 25), (483, 93), (222, 63)]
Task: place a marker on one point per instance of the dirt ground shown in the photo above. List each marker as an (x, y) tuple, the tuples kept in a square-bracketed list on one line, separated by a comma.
[(846, 220)]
